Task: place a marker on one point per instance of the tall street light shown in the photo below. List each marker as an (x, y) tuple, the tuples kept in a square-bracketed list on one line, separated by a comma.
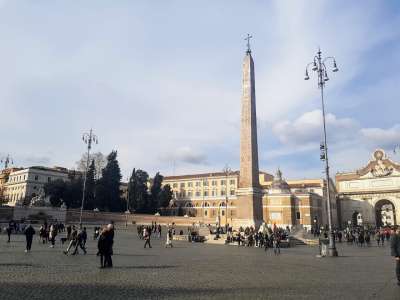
[(7, 160), (88, 139), (227, 172), (127, 201), (318, 66)]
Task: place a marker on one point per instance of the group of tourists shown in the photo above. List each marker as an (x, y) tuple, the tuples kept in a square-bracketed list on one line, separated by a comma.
[(153, 229), (145, 233), (265, 238)]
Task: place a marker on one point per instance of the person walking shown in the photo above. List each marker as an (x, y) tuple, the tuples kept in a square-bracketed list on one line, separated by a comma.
[(276, 244), (395, 247), (146, 236), (9, 230), (109, 242), (102, 247), (73, 241), (169, 238), (52, 234), (80, 242), (29, 233)]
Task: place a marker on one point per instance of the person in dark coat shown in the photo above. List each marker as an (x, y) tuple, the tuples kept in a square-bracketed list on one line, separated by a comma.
[(29, 233), (108, 246), (9, 230), (102, 246), (395, 247)]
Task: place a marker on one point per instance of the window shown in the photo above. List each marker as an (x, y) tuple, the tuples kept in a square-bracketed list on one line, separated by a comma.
[(175, 185), (36, 177), (223, 213), (298, 215), (213, 193), (182, 184), (48, 179), (232, 192), (34, 187), (205, 183), (205, 193), (214, 183), (190, 193), (222, 193), (197, 194), (223, 182), (190, 184), (232, 181), (276, 215), (205, 213), (197, 183)]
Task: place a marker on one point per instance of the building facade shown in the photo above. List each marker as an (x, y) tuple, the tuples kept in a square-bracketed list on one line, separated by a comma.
[(370, 195), (213, 198), (24, 184), (4, 175)]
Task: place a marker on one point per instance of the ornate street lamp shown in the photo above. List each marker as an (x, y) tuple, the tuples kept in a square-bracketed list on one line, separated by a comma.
[(227, 172), (318, 66), (88, 139), (7, 160)]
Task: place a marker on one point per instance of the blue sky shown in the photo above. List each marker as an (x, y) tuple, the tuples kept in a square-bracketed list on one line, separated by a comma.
[(160, 82)]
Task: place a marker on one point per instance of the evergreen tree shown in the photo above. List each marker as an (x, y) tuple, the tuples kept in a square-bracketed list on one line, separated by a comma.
[(138, 191), (108, 195), (155, 193), (165, 196), (90, 187)]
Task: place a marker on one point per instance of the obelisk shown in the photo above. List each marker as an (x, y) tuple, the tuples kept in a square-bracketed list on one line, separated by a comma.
[(249, 203)]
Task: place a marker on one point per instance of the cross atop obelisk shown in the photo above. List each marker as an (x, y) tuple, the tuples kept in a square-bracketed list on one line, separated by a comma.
[(248, 43)]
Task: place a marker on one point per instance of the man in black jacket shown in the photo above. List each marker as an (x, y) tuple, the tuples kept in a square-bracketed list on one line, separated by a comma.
[(29, 233), (395, 247)]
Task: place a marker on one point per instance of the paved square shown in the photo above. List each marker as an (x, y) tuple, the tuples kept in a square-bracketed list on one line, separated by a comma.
[(191, 270)]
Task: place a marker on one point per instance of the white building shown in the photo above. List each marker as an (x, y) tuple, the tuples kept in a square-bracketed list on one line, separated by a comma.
[(28, 183), (371, 195)]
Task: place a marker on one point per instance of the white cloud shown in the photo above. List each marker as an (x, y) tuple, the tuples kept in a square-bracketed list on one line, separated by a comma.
[(384, 138), (308, 128)]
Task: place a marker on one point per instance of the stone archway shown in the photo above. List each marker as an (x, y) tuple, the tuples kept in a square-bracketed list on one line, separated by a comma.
[(354, 218), (385, 213)]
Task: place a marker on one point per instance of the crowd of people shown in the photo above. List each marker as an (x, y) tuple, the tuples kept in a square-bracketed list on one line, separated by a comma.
[(264, 238)]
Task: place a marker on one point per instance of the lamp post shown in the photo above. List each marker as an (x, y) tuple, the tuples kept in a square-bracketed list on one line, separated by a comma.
[(318, 65), (87, 138), (227, 172), (127, 201)]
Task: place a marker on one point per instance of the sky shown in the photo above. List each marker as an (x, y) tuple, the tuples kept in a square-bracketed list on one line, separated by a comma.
[(160, 82)]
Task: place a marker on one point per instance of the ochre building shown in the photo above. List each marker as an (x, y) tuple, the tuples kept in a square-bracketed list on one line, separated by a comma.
[(213, 198)]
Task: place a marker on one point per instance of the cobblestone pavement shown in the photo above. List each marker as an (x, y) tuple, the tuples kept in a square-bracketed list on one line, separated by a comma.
[(196, 271)]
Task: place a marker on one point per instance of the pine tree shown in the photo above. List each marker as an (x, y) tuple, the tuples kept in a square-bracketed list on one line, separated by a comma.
[(165, 196), (90, 187), (108, 195), (138, 191), (155, 192)]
